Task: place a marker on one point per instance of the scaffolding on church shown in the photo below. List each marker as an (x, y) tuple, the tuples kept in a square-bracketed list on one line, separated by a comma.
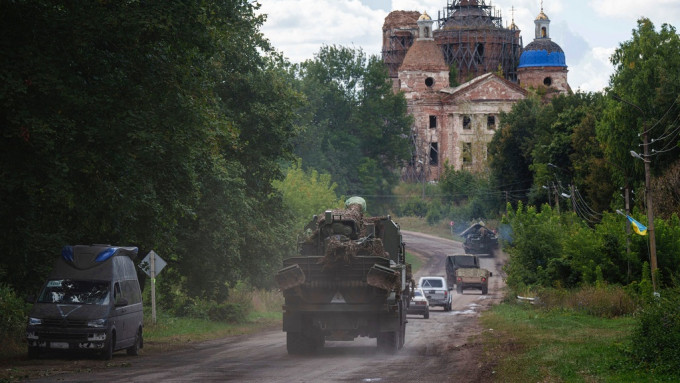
[(471, 35)]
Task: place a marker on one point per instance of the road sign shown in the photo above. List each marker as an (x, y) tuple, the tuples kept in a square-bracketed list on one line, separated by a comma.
[(159, 263)]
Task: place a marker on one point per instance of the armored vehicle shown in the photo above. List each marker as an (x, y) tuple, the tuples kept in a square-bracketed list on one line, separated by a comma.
[(479, 239), (349, 279)]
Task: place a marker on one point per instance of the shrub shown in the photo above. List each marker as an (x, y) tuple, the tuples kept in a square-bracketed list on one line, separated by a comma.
[(605, 301), (656, 335), (12, 315)]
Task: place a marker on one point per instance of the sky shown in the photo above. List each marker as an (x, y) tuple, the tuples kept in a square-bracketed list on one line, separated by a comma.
[(587, 30)]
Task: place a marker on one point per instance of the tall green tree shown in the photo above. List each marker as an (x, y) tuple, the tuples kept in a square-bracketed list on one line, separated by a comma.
[(357, 128), (647, 82), (158, 125)]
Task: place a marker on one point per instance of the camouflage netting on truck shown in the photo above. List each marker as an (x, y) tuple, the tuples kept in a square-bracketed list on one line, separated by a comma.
[(341, 251)]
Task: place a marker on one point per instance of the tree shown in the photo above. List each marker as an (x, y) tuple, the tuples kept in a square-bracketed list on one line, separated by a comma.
[(357, 129), (647, 75), (159, 125), (510, 150)]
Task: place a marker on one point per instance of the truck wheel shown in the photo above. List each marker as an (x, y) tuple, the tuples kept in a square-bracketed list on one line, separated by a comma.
[(447, 307), (459, 289), (426, 315), (485, 290), (388, 342), (297, 343)]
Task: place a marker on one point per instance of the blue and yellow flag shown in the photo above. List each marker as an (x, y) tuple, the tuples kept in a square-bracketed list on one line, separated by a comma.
[(637, 226)]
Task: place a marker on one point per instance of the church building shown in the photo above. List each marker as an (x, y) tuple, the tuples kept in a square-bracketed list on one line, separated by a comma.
[(453, 123)]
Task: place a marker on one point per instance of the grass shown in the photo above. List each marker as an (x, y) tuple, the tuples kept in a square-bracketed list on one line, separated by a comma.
[(415, 261), (526, 344)]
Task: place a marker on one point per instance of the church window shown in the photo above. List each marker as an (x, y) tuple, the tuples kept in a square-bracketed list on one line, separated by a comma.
[(491, 122), (434, 154), (433, 122), (429, 81), (467, 123), (547, 81), (479, 53), (467, 153), (427, 32), (544, 32)]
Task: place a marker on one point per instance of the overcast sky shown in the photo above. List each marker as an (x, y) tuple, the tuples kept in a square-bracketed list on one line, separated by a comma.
[(587, 30)]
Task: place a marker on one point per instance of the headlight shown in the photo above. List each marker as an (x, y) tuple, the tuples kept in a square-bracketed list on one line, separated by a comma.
[(34, 321), (97, 323)]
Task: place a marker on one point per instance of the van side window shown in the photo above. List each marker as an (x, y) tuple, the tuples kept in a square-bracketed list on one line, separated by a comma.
[(131, 291), (117, 295)]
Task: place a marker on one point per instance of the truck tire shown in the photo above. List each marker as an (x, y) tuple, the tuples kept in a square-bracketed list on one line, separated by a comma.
[(297, 343), (388, 342), (426, 315), (459, 288), (485, 290)]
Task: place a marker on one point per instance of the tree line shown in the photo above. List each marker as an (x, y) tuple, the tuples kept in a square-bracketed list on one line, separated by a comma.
[(171, 126)]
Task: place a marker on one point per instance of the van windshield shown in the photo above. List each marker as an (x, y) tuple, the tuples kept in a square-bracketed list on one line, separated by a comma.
[(75, 291)]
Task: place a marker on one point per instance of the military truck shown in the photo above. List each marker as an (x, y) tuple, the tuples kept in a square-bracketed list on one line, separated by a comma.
[(470, 278), (479, 239), (458, 261), (349, 279)]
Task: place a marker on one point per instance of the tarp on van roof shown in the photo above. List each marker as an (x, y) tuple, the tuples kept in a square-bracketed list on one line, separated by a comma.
[(95, 263)]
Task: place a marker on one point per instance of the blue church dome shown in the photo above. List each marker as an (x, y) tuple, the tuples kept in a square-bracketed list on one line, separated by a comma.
[(542, 52)]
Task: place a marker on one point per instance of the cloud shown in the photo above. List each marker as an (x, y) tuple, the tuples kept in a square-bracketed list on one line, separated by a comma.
[(592, 72), (299, 28), (660, 11)]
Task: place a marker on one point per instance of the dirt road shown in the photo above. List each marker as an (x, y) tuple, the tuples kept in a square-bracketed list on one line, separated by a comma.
[(439, 349)]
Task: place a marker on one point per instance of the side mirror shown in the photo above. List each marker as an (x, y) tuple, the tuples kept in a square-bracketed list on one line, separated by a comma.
[(121, 302)]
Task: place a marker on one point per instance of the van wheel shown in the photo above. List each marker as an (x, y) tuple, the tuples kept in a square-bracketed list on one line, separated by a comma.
[(134, 349), (33, 352), (107, 354)]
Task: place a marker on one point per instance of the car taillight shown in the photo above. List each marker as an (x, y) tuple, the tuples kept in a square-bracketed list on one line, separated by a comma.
[(445, 293)]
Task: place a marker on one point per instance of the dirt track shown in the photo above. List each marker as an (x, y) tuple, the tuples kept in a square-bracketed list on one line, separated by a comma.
[(443, 348)]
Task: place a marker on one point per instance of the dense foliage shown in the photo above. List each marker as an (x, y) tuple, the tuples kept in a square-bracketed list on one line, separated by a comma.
[(159, 125), (356, 127)]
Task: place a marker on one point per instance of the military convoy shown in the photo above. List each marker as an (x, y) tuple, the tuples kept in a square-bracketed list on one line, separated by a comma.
[(349, 279)]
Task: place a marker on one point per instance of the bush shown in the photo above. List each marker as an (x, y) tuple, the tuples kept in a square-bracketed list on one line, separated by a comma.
[(657, 333), (12, 316), (605, 301)]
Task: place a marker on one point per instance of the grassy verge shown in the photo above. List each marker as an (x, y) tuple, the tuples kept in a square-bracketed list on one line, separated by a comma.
[(171, 332), (415, 262), (526, 344)]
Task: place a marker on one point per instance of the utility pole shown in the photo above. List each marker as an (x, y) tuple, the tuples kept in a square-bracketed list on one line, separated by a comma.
[(650, 206), (648, 194), (557, 198)]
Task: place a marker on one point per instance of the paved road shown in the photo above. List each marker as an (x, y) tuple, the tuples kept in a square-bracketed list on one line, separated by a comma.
[(438, 349)]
